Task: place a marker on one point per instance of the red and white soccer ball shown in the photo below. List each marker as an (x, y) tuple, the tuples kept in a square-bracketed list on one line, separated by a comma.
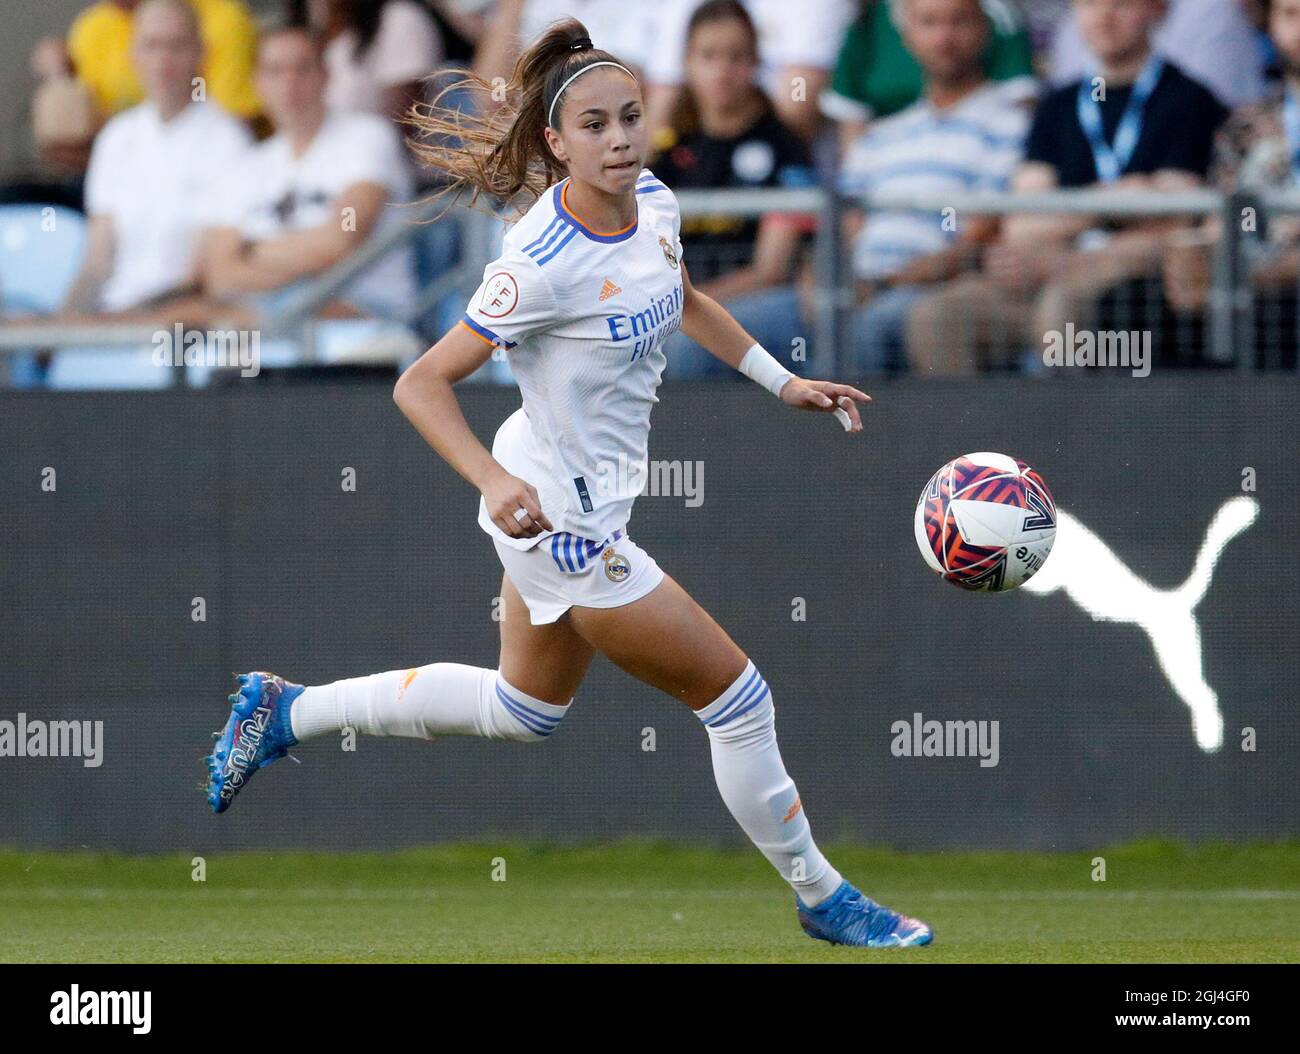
[(986, 521)]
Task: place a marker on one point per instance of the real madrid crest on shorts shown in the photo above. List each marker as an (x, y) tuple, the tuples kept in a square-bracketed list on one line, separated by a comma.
[(669, 255), (616, 566)]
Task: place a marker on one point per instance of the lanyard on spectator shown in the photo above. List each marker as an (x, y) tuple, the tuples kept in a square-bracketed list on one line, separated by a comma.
[(1291, 123), (1112, 159)]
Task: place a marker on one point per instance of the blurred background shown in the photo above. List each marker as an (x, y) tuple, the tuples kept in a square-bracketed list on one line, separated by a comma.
[(893, 186)]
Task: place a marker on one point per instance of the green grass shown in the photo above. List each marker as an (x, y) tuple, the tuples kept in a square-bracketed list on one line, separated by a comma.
[(642, 902)]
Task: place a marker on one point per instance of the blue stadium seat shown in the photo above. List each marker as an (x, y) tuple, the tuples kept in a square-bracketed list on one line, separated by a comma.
[(338, 341), (107, 368), (40, 251), (41, 247)]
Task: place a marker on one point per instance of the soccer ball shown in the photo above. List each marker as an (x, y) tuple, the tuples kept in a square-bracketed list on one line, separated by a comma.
[(986, 521)]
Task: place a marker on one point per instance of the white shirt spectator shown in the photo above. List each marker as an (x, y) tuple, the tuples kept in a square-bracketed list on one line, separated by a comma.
[(406, 48), (1209, 40), (974, 145), (276, 192), (624, 28), (808, 33), (155, 180)]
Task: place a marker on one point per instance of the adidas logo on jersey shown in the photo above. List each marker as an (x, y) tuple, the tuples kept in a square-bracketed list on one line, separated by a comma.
[(607, 290)]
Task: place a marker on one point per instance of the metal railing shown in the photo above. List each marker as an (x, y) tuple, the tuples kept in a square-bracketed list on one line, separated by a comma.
[(1229, 309)]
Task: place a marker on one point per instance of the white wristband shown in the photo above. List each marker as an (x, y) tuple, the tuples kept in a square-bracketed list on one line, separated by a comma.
[(760, 367)]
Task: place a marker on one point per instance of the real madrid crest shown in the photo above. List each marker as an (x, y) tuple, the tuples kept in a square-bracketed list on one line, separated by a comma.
[(669, 255), (616, 566)]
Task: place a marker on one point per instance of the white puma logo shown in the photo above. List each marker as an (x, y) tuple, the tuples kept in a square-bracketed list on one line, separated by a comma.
[(1097, 580)]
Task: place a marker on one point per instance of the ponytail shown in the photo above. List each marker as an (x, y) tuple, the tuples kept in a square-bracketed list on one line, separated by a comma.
[(501, 150)]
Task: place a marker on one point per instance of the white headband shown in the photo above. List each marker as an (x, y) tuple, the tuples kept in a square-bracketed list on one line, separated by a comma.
[(550, 114)]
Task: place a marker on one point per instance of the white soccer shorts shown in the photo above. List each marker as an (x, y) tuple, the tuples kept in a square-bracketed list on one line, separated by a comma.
[(563, 570)]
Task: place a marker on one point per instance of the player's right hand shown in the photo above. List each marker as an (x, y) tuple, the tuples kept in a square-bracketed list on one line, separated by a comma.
[(838, 399), (504, 496)]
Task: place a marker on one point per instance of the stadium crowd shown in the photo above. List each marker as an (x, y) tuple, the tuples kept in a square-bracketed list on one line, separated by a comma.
[(225, 155)]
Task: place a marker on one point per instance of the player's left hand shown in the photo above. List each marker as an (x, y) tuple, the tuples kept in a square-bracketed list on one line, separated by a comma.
[(828, 397)]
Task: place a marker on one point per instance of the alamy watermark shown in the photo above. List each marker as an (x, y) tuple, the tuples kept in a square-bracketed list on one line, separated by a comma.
[(668, 479), (920, 738), (53, 739), (75, 1007), (217, 348), (1106, 347)]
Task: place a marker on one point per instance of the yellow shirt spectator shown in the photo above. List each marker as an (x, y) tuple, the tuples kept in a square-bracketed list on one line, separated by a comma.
[(100, 45)]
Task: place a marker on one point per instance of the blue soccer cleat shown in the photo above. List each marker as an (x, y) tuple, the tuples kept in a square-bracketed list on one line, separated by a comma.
[(848, 917), (257, 734)]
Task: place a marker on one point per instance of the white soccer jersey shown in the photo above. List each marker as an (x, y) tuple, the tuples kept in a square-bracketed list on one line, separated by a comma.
[(583, 316)]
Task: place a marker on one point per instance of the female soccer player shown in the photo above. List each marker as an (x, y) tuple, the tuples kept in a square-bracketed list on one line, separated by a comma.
[(588, 287)]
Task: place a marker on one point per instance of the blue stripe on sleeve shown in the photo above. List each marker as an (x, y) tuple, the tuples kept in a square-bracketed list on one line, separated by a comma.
[(483, 331), (556, 229), (541, 260), (550, 227)]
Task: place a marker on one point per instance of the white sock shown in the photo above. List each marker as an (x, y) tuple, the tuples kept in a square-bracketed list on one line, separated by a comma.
[(444, 698), (753, 782)]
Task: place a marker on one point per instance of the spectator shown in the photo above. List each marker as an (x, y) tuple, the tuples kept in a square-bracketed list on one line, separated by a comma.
[(876, 74), (1142, 124), (1212, 41), (378, 54), (99, 45), (99, 49), (64, 118), (1258, 149), (630, 31), (152, 169), (1253, 151), (965, 134), (307, 197), (797, 49), (725, 133)]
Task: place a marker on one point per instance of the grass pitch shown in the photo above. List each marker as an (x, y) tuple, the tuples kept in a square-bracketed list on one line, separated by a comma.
[(641, 902)]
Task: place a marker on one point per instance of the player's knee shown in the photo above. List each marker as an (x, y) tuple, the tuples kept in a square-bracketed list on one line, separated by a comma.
[(517, 716), (744, 711)]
